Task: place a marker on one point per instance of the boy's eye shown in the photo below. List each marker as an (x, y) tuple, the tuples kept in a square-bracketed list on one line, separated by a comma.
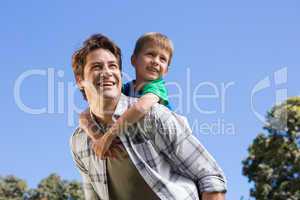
[(163, 59), (150, 54)]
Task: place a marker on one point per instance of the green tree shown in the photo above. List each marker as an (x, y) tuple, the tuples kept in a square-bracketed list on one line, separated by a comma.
[(12, 188), (54, 188), (273, 163), (51, 187), (74, 190)]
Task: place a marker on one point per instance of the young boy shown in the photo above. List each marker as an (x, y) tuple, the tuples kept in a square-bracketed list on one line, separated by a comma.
[(151, 58)]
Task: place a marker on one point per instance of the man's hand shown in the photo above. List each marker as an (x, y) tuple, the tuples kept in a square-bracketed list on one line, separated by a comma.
[(213, 196)]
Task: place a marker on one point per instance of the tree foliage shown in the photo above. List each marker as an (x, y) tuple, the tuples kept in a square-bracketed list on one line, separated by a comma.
[(273, 163), (12, 188), (49, 188)]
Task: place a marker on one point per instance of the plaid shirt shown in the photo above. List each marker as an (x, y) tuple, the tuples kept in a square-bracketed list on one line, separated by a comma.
[(164, 151)]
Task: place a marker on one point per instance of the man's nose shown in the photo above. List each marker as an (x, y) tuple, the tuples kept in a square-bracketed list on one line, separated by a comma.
[(106, 71)]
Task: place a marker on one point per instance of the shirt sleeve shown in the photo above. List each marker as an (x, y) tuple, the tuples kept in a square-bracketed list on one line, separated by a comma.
[(89, 192), (175, 140), (158, 88)]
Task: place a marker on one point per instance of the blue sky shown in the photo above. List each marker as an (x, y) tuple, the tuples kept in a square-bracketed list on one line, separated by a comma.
[(217, 43)]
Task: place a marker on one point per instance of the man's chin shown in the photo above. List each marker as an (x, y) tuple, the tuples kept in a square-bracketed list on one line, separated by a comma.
[(110, 96)]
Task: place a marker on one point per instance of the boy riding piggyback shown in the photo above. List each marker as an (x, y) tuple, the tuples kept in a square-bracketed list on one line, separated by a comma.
[(151, 59)]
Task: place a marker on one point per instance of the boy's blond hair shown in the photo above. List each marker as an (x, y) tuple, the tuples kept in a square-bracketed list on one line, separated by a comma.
[(156, 39)]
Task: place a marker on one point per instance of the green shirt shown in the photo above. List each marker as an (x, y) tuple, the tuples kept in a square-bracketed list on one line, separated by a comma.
[(156, 87)]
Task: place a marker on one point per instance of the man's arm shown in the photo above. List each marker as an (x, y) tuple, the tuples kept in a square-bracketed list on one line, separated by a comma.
[(88, 190), (174, 138)]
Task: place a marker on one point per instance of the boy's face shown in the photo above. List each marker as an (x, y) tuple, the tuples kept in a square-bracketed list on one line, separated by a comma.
[(151, 63)]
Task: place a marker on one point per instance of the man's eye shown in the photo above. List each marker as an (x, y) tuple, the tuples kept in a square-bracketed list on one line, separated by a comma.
[(96, 67), (113, 66)]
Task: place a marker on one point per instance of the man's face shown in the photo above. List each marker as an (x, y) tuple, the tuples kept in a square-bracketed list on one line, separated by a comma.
[(102, 76), (151, 63)]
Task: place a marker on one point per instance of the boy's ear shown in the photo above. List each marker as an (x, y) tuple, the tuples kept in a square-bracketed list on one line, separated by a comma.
[(133, 60)]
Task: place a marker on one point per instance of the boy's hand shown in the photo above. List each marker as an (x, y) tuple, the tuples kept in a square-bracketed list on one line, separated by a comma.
[(105, 146)]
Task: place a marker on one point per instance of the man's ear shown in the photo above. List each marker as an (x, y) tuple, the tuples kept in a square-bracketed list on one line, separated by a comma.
[(133, 60), (79, 82)]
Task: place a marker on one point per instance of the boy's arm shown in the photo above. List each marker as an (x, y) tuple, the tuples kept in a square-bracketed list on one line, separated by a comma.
[(134, 113), (152, 93), (129, 117)]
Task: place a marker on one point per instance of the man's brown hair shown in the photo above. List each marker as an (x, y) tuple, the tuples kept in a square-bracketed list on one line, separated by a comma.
[(96, 41), (156, 39)]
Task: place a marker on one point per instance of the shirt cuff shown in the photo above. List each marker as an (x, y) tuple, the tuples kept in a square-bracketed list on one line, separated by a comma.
[(212, 184)]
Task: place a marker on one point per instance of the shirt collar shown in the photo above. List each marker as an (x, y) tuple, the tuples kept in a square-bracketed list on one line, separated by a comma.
[(122, 106)]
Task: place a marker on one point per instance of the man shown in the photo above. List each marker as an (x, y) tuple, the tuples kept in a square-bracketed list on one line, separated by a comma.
[(163, 159)]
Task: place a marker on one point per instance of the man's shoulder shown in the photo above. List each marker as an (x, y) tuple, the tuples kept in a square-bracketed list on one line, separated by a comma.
[(157, 113), (78, 139), (77, 133), (129, 99), (158, 110), (166, 116), (124, 103)]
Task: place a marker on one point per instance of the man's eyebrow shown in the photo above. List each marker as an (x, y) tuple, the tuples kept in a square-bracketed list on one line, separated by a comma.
[(112, 62), (101, 62), (96, 63)]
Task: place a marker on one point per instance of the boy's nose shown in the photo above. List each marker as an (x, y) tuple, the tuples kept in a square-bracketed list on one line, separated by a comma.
[(155, 61)]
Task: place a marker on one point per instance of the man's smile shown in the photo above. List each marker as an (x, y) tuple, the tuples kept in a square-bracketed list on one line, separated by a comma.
[(106, 84)]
